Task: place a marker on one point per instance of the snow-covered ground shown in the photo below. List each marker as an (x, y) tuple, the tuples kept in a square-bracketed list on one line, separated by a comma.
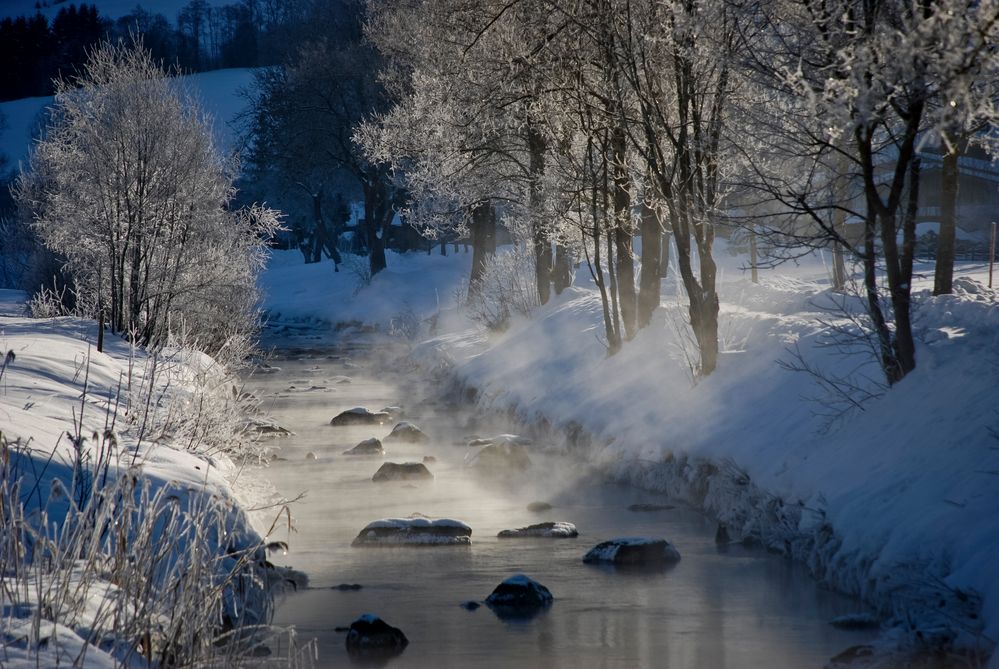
[(217, 91), (414, 285), (895, 502), (144, 421)]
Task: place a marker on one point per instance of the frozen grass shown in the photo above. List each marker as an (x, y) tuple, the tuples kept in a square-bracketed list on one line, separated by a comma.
[(121, 540)]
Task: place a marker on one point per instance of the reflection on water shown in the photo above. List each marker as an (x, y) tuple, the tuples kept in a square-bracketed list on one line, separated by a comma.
[(712, 610)]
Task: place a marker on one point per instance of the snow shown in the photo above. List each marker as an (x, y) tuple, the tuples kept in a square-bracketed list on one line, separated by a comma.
[(59, 385), (895, 503), (414, 284), (217, 91)]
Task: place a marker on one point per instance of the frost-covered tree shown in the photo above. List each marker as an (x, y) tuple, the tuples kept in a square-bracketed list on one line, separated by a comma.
[(859, 81), (128, 186), (465, 128)]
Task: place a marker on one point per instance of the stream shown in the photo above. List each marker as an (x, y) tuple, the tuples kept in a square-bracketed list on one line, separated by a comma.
[(716, 608)]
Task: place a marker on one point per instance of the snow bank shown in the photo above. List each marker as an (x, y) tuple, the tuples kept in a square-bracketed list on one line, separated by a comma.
[(905, 489), (76, 422)]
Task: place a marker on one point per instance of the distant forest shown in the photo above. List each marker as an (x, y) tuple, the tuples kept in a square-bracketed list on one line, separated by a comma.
[(248, 33)]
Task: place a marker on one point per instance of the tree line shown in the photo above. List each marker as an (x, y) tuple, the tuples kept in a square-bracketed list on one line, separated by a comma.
[(586, 123), (248, 33)]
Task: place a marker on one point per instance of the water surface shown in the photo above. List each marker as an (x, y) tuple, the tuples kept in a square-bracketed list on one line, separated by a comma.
[(713, 610)]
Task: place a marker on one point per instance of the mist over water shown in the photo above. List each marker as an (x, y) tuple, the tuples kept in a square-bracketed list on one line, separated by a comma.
[(738, 608)]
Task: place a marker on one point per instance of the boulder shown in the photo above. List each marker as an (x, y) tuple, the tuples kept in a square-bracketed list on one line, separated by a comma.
[(551, 530), (539, 507), (856, 621), (519, 597), (367, 447), (345, 587), (402, 471), (470, 605), (499, 458), (360, 416), (370, 635), (407, 432), (633, 551), (415, 531), (650, 507)]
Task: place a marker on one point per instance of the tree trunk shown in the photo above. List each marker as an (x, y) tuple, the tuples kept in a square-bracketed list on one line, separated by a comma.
[(378, 216), (838, 268), (135, 272), (623, 234), (664, 253), (562, 274), (483, 234), (542, 245), (649, 281), (318, 227), (943, 277)]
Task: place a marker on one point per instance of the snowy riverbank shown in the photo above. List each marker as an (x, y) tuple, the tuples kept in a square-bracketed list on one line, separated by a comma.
[(895, 502), (83, 434)]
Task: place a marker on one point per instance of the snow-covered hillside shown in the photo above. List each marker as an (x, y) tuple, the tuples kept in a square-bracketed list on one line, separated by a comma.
[(217, 91), (895, 501)]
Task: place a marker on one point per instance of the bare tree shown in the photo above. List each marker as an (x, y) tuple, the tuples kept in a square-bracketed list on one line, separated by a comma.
[(303, 116)]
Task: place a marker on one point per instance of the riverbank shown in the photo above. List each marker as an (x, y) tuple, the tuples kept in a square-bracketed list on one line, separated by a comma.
[(894, 503), (127, 470)]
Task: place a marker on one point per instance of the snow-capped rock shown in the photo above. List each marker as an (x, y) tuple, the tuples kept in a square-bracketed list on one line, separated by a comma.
[(407, 432), (551, 530), (418, 531), (519, 596), (402, 471), (370, 446), (360, 416), (499, 456), (633, 551), (369, 634)]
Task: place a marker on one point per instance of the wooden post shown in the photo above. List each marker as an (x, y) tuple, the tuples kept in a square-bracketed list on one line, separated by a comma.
[(752, 255), (992, 252)]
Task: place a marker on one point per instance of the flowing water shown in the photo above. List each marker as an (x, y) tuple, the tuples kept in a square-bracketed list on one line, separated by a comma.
[(738, 608)]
